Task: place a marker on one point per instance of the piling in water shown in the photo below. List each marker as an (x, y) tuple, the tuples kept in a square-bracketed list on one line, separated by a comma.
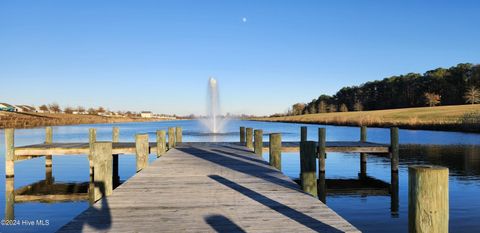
[(141, 149), (178, 135), (394, 148), (322, 145), (303, 133), (249, 132), (9, 153), (309, 169), (258, 142), (242, 135), (92, 138), (102, 169), (48, 140), (428, 199), (161, 142), (363, 156), (171, 137), (275, 150), (115, 139)]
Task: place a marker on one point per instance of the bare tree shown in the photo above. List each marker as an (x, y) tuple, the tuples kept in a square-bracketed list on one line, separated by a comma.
[(80, 109), (43, 108), (68, 110), (472, 95), (343, 108), (432, 99), (100, 110), (54, 107), (92, 111)]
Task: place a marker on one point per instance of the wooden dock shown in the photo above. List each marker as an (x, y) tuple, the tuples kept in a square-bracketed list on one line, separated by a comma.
[(209, 187)]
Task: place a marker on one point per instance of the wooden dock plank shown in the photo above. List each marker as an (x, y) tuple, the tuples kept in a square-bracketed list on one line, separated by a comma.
[(209, 188)]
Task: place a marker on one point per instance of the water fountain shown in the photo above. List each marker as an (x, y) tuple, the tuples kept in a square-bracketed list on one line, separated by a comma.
[(214, 121)]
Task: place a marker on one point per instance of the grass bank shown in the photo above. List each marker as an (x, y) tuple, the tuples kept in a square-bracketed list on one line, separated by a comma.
[(32, 120), (465, 118)]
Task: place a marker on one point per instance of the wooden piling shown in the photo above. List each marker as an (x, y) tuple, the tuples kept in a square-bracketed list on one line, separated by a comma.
[(141, 148), (178, 134), (9, 153), (322, 187), (275, 150), (394, 149), (322, 145), (249, 138), (303, 133), (258, 149), (171, 137), (242, 135), (428, 199), (309, 171), (48, 140), (103, 171), (161, 142), (394, 191), (363, 156), (115, 139), (9, 199), (92, 138)]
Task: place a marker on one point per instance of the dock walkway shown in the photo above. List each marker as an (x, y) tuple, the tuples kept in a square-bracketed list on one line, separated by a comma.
[(209, 187)]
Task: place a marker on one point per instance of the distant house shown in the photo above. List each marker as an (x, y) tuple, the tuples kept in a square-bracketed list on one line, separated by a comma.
[(146, 114), (24, 108), (7, 107)]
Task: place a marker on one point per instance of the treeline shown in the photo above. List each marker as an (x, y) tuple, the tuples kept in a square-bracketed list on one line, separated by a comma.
[(453, 86)]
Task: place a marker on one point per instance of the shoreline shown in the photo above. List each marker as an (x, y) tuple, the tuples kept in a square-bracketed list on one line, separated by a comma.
[(37, 120), (453, 118), (432, 127)]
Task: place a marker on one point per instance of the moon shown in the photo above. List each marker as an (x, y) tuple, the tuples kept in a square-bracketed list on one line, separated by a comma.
[(244, 19)]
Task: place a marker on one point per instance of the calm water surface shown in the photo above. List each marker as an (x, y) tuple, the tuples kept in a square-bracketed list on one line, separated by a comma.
[(368, 208)]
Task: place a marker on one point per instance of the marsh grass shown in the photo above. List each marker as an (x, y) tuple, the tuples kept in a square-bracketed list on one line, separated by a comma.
[(452, 118), (32, 120)]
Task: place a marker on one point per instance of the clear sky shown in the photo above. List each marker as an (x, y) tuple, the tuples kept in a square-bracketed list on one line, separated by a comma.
[(266, 55)]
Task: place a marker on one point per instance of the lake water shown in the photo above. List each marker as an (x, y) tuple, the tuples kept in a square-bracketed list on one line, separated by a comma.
[(368, 209)]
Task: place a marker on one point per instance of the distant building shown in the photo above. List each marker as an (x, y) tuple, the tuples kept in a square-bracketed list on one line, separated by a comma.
[(24, 108), (146, 114), (7, 107)]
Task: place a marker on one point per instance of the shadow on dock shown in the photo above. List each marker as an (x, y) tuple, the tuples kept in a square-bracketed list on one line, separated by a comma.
[(291, 213), (221, 224)]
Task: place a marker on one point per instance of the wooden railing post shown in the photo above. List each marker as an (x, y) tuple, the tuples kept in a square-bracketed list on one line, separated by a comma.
[(303, 134), (275, 150), (249, 132), (9, 153), (322, 144), (171, 138), (103, 171), (115, 139), (48, 140), (142, 151), (258, 142), (242, 135), (394, 148), (161, 142), (428, 199), (92, 138), (309, 171), (178, 134), (363, 156)]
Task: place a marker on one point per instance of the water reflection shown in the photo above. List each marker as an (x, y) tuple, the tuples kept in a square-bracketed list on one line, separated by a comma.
[(49, 191), (462, 160)]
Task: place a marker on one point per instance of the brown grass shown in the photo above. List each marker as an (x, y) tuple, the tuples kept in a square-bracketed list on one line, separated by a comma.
[(32, 120), (453, 118)]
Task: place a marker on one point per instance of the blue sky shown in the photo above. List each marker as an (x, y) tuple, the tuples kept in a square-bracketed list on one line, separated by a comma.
[(158, 55)]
